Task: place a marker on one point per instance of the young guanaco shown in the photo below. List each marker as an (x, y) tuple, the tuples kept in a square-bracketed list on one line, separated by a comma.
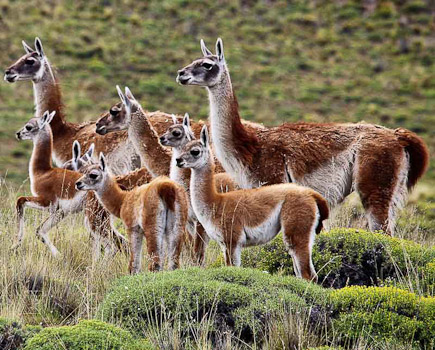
[(253, 216), (157, 210)]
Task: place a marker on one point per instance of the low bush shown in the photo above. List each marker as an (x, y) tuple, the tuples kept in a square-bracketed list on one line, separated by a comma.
[(352, 257), (86, 335), (239, 300), (384, 313), (13, 335)]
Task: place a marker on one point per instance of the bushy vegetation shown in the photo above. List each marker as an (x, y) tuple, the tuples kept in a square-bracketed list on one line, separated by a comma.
[(239, 300), (354, 257), (13, 334), (86, 335), (384, 313)]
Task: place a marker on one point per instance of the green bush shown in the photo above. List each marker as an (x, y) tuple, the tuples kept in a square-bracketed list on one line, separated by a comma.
[(13, 335), (87, 335), (385, 313), (351, 257), (240, 300)]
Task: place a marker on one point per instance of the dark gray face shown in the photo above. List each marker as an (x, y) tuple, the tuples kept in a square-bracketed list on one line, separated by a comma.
[(205, 71), (176, 136), (194, 155), (26, 68), (115, 120), (29, 130)]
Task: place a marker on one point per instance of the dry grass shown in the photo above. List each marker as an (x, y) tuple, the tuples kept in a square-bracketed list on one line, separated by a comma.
[(38, 289)]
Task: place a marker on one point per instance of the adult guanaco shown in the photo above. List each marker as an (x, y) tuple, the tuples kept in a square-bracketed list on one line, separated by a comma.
[(335, 159), (157, 210), (253, 216)]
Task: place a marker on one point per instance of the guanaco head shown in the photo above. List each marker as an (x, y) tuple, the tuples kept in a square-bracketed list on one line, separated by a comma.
[(119, 116), (77, 162), (34, 126), (205, 71), (178, 135), (30, 66), (196, 154), (94, 176)]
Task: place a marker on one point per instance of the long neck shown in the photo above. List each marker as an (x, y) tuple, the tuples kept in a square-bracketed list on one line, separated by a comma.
[(111, 196), (235, 146), (40, 160), (48, 97), (202, 187), (154, 156), (177, 174)]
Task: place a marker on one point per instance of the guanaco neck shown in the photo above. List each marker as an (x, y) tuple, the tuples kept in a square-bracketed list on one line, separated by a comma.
[(145, 139), (202, 188), (40, 161), (177, 174), (48, 97), (234, 145), (111, 196)]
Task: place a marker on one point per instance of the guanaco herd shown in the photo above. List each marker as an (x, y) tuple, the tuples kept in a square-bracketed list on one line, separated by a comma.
[(233, 181)]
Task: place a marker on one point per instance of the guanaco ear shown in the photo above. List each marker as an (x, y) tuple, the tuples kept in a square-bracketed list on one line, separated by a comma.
[(205, 51), (174, 119), (90, 152), (220, 50), (129, 95), (102, 162), (39, 48), (204, 136), (120, 94), (27, 48), (45, 119), (76, 150), (186, 120)]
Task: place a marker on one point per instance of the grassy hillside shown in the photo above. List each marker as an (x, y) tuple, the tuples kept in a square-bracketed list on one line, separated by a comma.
[(290, 61)]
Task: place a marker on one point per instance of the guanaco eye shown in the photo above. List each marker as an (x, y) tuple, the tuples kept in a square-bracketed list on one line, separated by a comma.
[(93, 176), (29, 61), (207, 66), (113, 111), (176, 133), (194, 152), (28, 127)]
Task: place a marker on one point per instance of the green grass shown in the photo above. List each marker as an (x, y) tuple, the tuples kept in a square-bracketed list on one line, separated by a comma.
[(323, 61)]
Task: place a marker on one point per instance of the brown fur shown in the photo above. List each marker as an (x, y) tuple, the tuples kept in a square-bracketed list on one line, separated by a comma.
[(230, 216), (139, 210)]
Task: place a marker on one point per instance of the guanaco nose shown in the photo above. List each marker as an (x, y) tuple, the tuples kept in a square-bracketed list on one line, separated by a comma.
[(179, 161), (181, 72), (7, 71)]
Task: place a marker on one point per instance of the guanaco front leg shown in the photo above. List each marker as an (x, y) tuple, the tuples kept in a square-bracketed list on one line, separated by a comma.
[(22, 203)]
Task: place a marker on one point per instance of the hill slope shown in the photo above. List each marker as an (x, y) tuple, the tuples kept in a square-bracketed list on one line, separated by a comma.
[(303, 60)]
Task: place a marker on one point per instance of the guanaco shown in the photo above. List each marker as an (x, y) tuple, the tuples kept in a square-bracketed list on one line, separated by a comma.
[(52, 188), (253, 216), (156, 157), (335, 159), (157, 210)]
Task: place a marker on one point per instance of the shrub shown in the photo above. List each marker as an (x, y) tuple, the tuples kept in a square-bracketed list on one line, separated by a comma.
[(385, 313), (240, 300), (13, 335), (350, 257), (86, 335)]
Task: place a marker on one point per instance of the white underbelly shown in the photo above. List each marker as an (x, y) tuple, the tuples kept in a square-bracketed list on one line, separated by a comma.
[(264, 232), (72, 205)]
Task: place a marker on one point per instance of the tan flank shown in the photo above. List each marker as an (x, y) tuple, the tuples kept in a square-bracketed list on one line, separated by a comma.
[(157, 210), (253, 216), (382, 165)]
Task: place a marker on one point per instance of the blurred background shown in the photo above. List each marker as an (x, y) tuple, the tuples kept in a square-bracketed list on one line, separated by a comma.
[(344, 61)]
